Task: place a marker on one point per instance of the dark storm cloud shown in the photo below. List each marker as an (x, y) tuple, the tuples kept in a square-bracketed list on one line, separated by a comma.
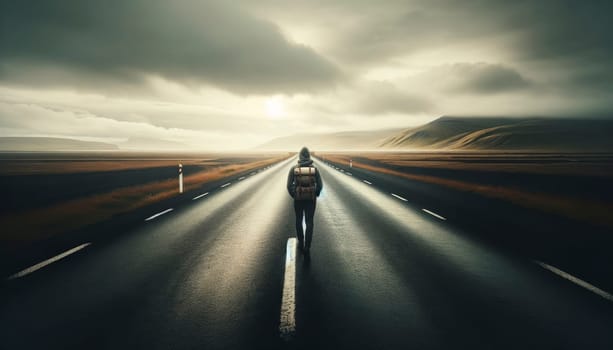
[(545, 29), (483, 78), (381, 98), (576, 36), (194, 42), (561, 29), (407, 26)]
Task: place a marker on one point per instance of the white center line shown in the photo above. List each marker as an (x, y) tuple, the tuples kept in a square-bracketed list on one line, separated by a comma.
[(287, 326), (434, 214), (200, 196), (576, 281), (401, 198), (40, 265), (226, 185), (159, 214), (367, 182), (241, 178)]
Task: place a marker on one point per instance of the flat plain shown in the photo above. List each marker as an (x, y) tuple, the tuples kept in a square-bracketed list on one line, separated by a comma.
[(50, 193), (570, 184)]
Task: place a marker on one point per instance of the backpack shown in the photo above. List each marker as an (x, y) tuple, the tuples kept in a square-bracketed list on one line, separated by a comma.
[(305, 183)]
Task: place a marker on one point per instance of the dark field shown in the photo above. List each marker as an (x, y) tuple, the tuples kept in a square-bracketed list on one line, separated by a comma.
[(578, 185), (48, 193), (31, 180)]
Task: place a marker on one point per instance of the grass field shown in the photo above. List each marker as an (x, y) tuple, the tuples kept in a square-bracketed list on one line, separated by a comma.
[(573, 185), (590, 164), (48, 194)]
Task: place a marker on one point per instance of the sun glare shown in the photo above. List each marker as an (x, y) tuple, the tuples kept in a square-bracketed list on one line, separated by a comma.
[(275, 108)]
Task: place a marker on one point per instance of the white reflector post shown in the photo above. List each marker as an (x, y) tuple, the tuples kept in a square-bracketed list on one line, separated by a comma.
[(180, 178)]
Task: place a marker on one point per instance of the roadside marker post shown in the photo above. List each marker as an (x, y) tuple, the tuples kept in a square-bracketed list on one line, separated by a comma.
[(180, 178)]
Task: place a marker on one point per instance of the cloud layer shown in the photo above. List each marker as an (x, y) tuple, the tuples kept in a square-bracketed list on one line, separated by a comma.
[(202, 71), (193, 42)]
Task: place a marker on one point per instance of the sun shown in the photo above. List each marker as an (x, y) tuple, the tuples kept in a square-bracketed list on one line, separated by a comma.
[(275, 108)]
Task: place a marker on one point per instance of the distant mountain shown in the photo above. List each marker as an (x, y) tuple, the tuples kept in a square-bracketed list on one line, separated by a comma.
[(521, 134), (42, 144), (331, 141)]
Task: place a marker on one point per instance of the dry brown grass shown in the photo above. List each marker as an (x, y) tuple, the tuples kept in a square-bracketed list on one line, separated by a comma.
[(529, 163), (576, 208), (70, 163), (71, 167), (45, 222)]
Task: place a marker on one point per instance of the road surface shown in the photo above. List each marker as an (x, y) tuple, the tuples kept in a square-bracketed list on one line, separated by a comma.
[(216, 274)]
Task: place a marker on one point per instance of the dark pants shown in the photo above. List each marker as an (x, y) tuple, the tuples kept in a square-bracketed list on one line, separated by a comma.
[(304, 209)]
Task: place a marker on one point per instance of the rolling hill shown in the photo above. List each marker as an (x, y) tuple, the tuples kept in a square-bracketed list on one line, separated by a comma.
[(520, 134)]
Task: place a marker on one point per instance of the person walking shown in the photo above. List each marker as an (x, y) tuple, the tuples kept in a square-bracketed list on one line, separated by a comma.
[(304, 185)]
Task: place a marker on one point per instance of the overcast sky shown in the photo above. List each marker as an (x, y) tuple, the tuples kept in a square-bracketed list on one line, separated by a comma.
[(233, 74)]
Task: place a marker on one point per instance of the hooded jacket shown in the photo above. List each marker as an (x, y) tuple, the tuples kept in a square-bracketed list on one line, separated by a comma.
[(303, 161)]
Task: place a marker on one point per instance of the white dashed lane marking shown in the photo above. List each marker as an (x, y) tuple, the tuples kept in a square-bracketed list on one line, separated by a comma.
[(226, 185), (159, 214), (434, 214), (399, 197), (49, 261), (576, 280), (200, 196)]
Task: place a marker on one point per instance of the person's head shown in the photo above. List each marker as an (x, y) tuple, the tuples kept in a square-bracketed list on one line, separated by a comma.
[(305, 154)]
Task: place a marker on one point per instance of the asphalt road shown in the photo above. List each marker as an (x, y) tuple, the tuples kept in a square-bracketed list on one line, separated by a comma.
[(383, 274), (578, 247)]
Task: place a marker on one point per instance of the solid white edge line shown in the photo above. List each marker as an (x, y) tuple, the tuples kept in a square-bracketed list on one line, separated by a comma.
[(287, 324), (226, 185), (159, 214), (576, 280), (401, 198), (434, 214), (42, 264), (200, 196), (367, 182)]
